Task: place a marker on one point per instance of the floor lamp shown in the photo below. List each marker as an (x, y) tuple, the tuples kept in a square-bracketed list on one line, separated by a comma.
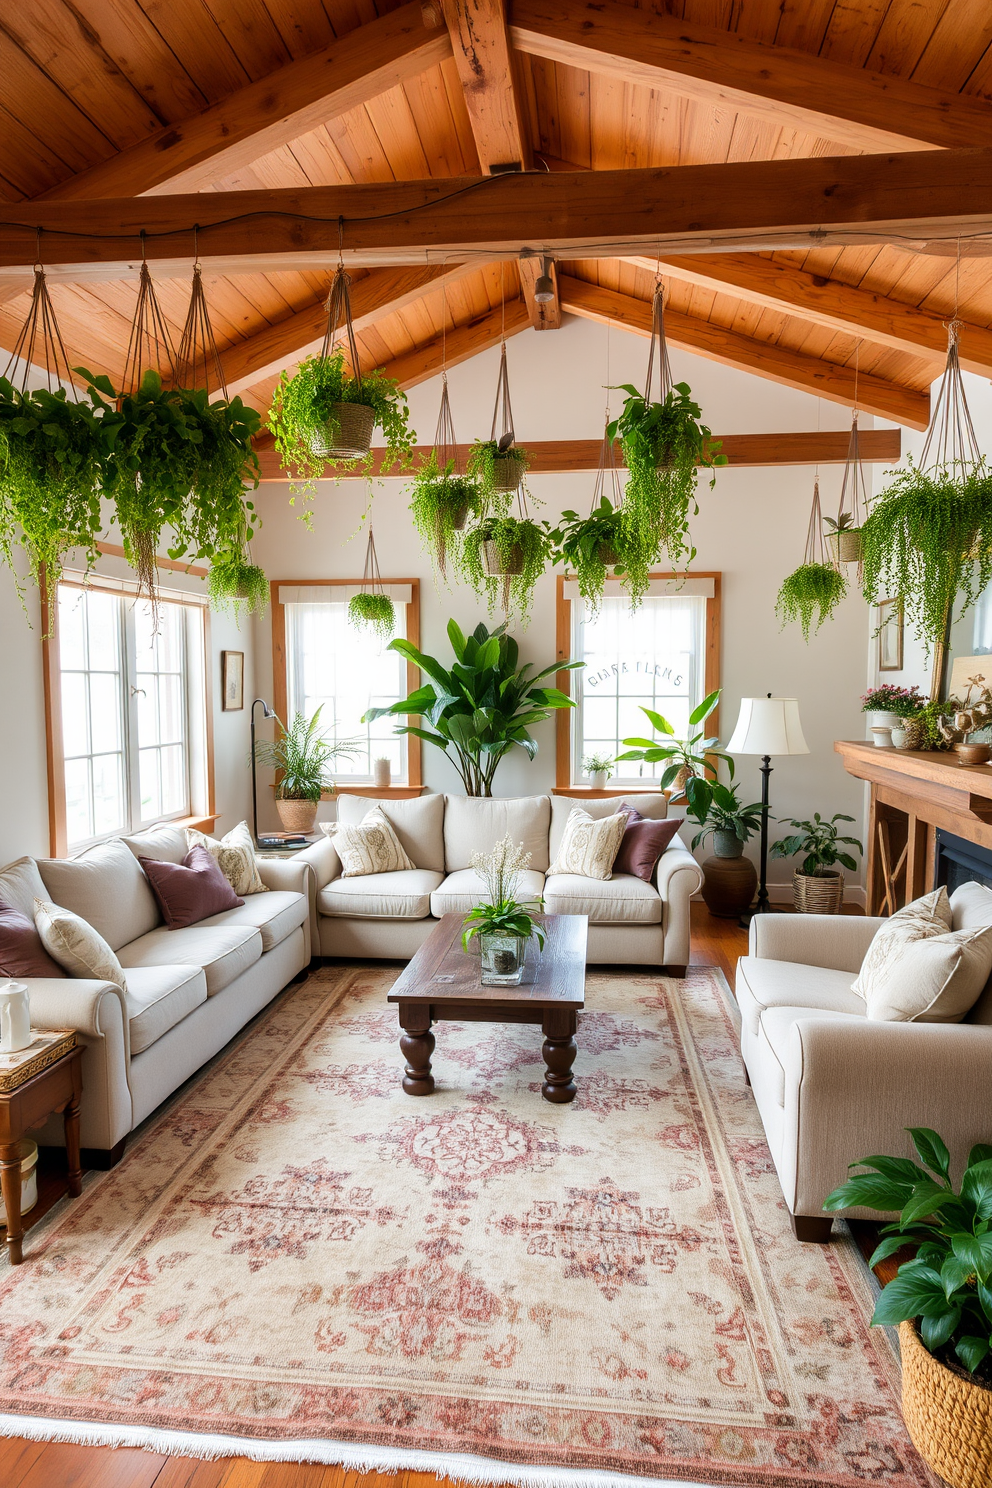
[(766, 726), (266, 713)]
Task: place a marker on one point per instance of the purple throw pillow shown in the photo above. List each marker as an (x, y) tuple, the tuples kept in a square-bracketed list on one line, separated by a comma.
[(643, 843), (21, 951), (189, 891)]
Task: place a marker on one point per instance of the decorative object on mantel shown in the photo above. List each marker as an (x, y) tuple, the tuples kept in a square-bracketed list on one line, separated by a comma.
[(372, 608), (817, 885), (690, 769), (888, 708), (766, 726), (729, 878), (300, 754), (814, 589)]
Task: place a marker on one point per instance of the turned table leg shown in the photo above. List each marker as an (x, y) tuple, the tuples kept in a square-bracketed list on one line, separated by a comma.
[(10, 1183), (559, 1055), (417, 1044)]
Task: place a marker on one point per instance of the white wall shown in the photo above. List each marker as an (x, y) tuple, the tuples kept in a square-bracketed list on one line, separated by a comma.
[(751, 528)]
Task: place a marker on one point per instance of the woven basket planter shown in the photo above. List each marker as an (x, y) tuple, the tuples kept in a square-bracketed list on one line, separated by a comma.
[(845, 547), (948, 1418), (607, 554), (297, 816), (459, 517), (818, 893), (499, 568), (347, 435), (507, 473)]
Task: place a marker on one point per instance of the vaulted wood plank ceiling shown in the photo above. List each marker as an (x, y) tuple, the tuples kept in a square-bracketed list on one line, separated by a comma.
[(91, 85)]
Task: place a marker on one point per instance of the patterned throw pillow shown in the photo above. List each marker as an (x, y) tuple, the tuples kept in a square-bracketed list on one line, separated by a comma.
[(588, 848), (75, 945), (371, 847), (235, 856), (918, 969)]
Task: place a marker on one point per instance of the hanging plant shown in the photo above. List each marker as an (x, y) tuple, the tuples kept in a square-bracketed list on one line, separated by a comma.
[(372, 609), (443, 501), (811, 593), (590, 546), (235, 582), (503, 558), (499, 471), (325, 412), (844, 530)]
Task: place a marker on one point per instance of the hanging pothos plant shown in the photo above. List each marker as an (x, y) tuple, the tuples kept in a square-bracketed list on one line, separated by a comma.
[(372, 608), (502, 558), (590, 547)]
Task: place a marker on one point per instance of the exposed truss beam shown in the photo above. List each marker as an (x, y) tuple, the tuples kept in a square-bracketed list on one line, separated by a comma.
[(544, 315), (868, 111), (485, 69), (809, 374), (602, 214), (827, 302)]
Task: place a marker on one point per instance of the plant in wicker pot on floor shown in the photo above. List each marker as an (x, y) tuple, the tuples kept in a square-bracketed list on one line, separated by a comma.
[(817, 884), (729, 878), (301, 755), (503, 923), (941, 1300)]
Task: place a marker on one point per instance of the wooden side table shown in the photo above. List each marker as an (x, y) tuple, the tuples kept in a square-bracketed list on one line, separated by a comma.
[(57, 1088)]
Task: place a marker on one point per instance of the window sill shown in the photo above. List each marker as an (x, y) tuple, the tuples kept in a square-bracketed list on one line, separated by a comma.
[(195, 823)]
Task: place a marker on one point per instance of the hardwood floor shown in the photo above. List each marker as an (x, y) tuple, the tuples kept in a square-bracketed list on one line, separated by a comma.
[(25, 1464)]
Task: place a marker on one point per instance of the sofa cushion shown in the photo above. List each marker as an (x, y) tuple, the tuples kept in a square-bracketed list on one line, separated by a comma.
[(464, 889), (643, 843), (381, 896), (652, 805), (21, 884), (275, 915), (971, 905), (164, 843), (105, 887), (235, 854), (368, 847), (766, 984), (190, 891), (775, 1029), (418, 824), (75, 945), (589, 846), (159, 997), (224, 951), (476, 823), (620, 900), (22, 953)]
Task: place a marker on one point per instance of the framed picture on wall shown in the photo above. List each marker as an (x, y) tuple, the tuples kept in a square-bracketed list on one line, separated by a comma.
[(232, 672), (890, 635)]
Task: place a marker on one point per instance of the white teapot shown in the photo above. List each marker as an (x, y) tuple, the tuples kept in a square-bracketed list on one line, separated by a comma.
[(15, 1017)]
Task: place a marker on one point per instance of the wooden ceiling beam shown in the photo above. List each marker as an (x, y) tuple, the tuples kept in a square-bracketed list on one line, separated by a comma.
[(590, 214), (458, 345), (828, 303), (270, 112), (545, 315), (568, 456), (481, 48), (865, 110), (889, 400)]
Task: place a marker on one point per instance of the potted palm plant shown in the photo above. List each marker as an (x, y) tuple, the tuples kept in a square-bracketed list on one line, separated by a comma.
[(503, 558), (301, 755), (817, 884), (691, 767), (941, 1299), (729, 879), (503, 923)]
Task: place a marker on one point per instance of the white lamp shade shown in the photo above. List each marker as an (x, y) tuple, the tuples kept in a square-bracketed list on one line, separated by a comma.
[(768, 725)]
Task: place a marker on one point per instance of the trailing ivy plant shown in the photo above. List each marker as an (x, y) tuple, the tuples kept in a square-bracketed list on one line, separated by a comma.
[(588, 546), (441, 504), (516, 543), (374, 611), (482, 457), (664, 444), (810, 594), (223, 431), (928, 540), (235, 582), (52, 452), (301, 418)]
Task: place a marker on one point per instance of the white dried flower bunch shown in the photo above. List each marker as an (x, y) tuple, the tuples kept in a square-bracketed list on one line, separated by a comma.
[(500, 869)]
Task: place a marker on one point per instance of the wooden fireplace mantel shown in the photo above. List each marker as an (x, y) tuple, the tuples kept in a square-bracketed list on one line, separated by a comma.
[(912, 795)]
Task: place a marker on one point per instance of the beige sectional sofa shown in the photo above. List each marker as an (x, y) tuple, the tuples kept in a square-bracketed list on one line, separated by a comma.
[(188, 991), (391, 914)]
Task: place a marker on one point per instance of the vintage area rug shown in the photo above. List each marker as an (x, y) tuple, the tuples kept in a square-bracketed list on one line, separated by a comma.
[(298, 1253)]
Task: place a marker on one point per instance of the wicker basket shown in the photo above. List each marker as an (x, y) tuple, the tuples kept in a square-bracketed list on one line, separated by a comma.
[(459, 517), (495, 567), (948, 1418), (347, 434), (297, 816), (845, 546), (817, 893), (507, 473)]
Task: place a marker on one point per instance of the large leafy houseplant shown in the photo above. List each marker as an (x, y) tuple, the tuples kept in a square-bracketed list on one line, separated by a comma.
[(690, 766), (301, 754), (441, 504), (503, 558), (480, 708), (809, 595)]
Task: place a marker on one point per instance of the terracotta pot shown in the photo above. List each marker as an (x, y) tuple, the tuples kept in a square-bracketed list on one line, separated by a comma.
[(494, 566), (347, 435), (729, 885), (948, 1418), (297, 816), (818, 893), (507, 473), (973, 754)]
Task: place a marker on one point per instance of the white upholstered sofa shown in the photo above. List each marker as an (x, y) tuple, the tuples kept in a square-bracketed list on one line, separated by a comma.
[(391, 914), (188, 991), (831, 1085)]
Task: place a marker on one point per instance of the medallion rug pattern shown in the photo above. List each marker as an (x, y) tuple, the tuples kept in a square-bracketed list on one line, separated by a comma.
[(296, 1249)]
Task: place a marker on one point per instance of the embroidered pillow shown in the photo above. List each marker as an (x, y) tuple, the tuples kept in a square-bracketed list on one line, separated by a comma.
[(588, 848), (235, 855), (75, 945), (189, 891), (21, 951), (644, 841), (370, 847), (918, 969)]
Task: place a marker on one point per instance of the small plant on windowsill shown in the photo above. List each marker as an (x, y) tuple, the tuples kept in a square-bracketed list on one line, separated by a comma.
[(599, 767), (503, 923)]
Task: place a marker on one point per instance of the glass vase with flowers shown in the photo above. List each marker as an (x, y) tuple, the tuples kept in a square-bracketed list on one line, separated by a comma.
[(504, 924)]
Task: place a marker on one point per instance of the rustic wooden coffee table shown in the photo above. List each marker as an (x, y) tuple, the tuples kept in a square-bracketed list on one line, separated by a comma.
[(443, 981)]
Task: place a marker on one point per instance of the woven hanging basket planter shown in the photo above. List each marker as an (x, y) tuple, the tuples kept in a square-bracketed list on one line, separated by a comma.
[(347, 434), (507, 473), (459, 518), (297, 816), (497, 567), (845, 547), (818, 893), (949, 1419)]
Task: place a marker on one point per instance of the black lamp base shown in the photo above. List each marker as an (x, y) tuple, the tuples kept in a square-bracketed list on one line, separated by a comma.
[(763, 905)]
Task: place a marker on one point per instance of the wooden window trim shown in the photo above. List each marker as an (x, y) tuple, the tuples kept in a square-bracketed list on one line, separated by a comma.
[(564, 718), (52, 673), (280, 686)]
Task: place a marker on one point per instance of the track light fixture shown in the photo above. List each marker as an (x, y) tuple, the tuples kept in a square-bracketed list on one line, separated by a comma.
[(544, 289)]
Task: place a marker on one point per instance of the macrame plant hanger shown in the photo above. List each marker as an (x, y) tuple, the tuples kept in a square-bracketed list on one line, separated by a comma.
[(507, 471), (372, 583), (845, 541), (348, 434), (197, 362), (445, 446), (607, 484), (658, 348)]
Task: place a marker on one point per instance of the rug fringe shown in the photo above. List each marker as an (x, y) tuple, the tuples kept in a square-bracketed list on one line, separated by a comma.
[(359, 1457)]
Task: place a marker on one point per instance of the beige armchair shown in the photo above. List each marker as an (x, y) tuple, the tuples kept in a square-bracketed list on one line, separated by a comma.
[(831, 1085)]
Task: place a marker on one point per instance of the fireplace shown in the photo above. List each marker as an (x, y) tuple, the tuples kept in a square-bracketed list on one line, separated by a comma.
[(960, 861)]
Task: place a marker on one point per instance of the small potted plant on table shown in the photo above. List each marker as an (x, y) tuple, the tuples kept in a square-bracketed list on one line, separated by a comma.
[(941, 1300), (503, 923), (817, 885), (301, 754), (729, 878)]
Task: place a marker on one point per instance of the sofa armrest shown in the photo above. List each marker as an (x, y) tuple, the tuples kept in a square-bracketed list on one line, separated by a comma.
[(838, 942), (294, 876), (98, 1012), (853, 1086), (322, 860), (678, 876)]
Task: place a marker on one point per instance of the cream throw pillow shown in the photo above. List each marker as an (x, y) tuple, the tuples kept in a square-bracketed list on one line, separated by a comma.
[(589, 847), (918, 969), (235, 855), (370, 847), (75, 945)]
